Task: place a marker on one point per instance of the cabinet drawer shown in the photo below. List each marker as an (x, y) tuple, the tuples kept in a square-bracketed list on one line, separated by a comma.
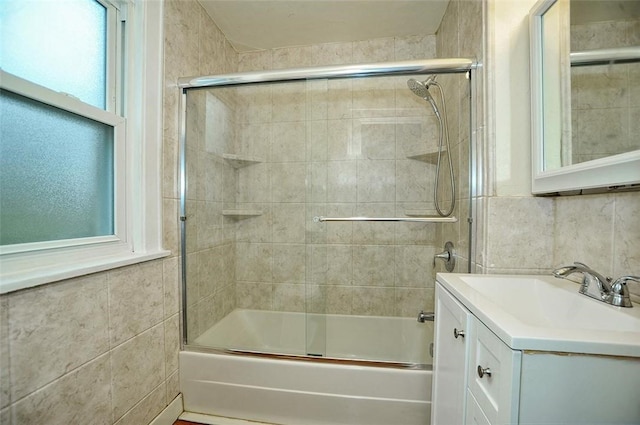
[(494, 375), (474, 414)]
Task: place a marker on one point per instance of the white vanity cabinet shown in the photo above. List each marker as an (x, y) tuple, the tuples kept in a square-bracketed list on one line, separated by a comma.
[(461, 345), (451, 348), (497, 375)]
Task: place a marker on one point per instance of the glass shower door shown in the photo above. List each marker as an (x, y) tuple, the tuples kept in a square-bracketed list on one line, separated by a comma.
[(266, 165), (372, 147)]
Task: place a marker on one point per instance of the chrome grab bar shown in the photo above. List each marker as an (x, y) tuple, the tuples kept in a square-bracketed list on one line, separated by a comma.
[(320, 219)]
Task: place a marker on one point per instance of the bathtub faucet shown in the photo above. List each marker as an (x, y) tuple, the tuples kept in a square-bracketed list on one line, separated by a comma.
[(425, 317), (596, 286)]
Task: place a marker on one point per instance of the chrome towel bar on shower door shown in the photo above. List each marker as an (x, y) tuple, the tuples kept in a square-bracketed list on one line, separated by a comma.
[(435, 219)]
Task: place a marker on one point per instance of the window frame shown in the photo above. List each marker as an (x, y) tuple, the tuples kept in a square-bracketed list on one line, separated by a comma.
[(134, 108), (13, 84)]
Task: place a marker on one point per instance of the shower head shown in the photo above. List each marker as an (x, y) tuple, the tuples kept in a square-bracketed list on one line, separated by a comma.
[(418, 88), (421, 89)]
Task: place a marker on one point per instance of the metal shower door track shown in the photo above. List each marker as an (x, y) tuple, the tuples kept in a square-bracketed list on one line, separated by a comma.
[(426, 66)]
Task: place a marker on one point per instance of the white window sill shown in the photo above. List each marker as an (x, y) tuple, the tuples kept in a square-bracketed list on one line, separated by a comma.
[(30, 277)]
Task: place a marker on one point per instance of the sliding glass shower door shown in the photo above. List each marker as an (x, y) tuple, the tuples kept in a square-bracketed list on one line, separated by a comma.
[(280, 179)]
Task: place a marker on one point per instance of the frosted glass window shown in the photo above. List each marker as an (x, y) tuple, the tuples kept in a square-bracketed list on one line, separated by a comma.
[(56, 173), (61, 45)]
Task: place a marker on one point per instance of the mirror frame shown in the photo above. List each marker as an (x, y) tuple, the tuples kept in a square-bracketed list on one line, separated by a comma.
[(607, 173)]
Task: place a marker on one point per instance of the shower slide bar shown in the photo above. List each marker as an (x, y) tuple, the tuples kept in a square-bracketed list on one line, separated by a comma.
[(433, 66), (320, 219)]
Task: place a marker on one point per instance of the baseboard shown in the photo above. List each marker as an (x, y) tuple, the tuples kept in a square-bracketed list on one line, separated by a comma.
[(170, 414)]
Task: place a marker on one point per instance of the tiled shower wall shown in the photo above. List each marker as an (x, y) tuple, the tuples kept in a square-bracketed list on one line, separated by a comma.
[(605, 98), (461, 35), (211, 187), (334, 148)]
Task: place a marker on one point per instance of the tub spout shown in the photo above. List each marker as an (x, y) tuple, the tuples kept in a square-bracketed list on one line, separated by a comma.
[(425, 317)]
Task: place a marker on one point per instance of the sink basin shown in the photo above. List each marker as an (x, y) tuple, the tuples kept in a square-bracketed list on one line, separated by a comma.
[(551, 302), (546, 313)]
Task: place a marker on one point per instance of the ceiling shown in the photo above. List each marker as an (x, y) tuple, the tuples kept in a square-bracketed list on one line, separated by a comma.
[(266, 24)]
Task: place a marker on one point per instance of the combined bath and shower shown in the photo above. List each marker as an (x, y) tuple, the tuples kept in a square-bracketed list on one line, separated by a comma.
[(421, 89)]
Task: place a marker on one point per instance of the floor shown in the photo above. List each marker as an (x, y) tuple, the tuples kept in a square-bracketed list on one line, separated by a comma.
[(179, 422)]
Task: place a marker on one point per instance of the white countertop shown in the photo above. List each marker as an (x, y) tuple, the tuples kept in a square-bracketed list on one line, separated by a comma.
[(544, 313)]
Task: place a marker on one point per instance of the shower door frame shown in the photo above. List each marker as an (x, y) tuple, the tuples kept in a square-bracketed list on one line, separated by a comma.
[(382, 69)]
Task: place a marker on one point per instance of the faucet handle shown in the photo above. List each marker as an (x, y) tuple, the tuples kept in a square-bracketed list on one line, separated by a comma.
[(620, 292), (624, 279), (621, 283)]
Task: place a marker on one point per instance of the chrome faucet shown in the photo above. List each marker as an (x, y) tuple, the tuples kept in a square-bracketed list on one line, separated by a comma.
[(425, 317), (596, 286)]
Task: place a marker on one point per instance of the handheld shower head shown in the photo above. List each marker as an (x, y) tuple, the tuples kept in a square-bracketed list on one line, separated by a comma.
[(421, 89)]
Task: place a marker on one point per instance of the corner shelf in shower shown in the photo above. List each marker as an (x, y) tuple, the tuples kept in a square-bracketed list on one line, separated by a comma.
[(430, 157), (238, 214), (241, 161)]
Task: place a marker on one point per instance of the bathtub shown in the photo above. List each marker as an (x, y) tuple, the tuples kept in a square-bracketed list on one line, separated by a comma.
[(388, 384)]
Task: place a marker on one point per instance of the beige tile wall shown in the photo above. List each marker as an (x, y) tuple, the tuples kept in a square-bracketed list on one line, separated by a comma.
[(334, 148), (103, 347), (536, 235)]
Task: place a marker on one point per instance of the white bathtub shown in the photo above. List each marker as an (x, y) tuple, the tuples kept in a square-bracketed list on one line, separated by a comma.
[(298, 392), (390, 339)]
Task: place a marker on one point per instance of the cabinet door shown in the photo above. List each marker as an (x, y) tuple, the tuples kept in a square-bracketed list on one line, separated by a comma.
[(494, 375), (449, 364)]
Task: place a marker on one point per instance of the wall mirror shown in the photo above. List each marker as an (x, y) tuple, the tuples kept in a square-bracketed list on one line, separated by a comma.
[(585, 81)]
